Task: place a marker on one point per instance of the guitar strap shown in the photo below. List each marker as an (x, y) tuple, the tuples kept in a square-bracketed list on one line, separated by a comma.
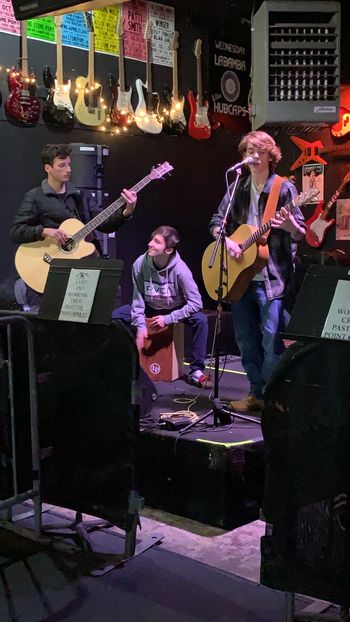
[(272, 201)]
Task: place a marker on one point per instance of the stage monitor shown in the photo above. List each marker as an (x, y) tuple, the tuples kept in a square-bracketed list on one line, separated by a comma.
[(26, 9), (53, 303)]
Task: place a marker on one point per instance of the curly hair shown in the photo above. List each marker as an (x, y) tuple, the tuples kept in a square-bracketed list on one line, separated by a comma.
[(264, 143)]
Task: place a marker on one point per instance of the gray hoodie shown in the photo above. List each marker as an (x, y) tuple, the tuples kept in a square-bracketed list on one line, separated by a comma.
[(171, 288)]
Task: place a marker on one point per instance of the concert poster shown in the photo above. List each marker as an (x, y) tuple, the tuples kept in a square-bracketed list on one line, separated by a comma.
[(229, 68), (313, 177)]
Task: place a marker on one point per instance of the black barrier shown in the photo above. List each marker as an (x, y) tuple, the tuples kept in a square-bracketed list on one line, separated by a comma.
[(306, 427), (87, 420)]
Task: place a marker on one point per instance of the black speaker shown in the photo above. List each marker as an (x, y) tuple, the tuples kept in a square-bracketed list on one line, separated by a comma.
[(26, 9)]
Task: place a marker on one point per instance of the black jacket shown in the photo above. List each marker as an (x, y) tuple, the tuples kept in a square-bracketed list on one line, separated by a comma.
[(43, 207)]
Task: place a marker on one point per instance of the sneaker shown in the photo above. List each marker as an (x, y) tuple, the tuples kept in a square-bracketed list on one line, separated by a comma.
[(246, 404), (200, 379)]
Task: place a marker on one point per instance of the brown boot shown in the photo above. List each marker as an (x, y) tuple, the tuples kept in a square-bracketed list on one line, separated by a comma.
[(246, 404)]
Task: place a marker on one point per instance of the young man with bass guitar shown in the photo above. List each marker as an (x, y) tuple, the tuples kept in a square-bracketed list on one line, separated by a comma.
[(47, 206), (258, 315)]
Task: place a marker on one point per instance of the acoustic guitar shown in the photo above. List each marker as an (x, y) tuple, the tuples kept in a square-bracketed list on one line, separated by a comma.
[(21, 104), (33, 260), (58, 108), (239, 272), (319, 223), (89, 109)]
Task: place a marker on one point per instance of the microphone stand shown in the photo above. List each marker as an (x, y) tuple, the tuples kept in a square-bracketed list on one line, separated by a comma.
[(218, 410)]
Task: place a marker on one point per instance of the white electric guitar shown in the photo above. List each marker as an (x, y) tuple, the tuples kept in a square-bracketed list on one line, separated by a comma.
[(89, 108), (146, 114)]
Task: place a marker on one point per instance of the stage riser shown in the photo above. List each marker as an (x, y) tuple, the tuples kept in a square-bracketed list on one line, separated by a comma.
[(212, 484)]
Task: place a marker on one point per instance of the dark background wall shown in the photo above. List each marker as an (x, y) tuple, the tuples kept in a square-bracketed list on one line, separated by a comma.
[(185, 200)]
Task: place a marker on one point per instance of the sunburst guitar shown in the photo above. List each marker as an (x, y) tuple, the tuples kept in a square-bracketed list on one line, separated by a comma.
[(239, 272)]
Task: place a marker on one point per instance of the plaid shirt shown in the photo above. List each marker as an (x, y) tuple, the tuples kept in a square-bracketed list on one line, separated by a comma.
[(280, 267)]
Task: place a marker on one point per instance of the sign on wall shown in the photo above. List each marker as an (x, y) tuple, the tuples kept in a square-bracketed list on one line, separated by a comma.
[(230, 83), (74, 32)]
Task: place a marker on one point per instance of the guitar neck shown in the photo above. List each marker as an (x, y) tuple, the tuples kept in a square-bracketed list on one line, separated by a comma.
[(59, 58), (108, 212), (262, 230), (24, 49), (91, 66), (175, 76), (148, 67), (121, 64), (199, 83), (334, 197)]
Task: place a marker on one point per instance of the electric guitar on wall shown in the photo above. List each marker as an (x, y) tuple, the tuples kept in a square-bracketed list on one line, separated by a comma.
[(58, 108), (175, 120), (89, 108), (121, 111), (33, 259), (147, 110), (239, 272), (199, 125), (21, 104), (310, 152), (319, 223)]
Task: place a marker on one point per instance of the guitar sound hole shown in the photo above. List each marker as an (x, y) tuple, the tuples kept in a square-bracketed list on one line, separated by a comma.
[(69, 245)]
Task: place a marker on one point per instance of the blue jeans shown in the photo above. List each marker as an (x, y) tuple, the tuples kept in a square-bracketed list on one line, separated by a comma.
[(257, 322), (197, 321)]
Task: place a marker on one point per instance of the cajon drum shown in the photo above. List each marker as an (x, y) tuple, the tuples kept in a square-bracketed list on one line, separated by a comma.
[(162, 356)]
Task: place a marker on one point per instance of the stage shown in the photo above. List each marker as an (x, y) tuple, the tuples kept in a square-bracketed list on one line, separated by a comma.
[(210, 474)]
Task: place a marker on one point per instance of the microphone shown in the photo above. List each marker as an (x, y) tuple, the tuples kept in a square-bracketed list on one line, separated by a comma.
[(247, 160)]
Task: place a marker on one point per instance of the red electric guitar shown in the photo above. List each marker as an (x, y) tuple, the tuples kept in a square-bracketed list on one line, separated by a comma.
[(199, 125), (22, 105), (318, 225), (310, 152), (121, 111)]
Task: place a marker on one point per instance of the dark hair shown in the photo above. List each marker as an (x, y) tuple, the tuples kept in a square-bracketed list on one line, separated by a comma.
[(50, 152), (170, 235), (263, 142)]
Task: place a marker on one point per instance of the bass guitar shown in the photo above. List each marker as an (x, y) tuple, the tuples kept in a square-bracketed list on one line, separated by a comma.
[(319, 223), (198, 125), (58, 108), (22, 105), (121, 111), (147, 116), (33, 260), (239, 272), (89, 109), (310, 152), (175, 120)]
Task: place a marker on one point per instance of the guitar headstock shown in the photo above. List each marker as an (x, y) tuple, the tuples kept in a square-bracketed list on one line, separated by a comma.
[(161, 170), (306, 197), (58, 20), (198, 48), (148, 30), (175, 40), (120, 27), (89, 20)]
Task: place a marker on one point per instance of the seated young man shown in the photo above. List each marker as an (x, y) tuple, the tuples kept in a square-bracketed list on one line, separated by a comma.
[(165, 291)]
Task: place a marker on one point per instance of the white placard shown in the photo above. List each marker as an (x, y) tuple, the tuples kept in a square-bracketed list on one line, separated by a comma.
[(80, 294), (337, 324)]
